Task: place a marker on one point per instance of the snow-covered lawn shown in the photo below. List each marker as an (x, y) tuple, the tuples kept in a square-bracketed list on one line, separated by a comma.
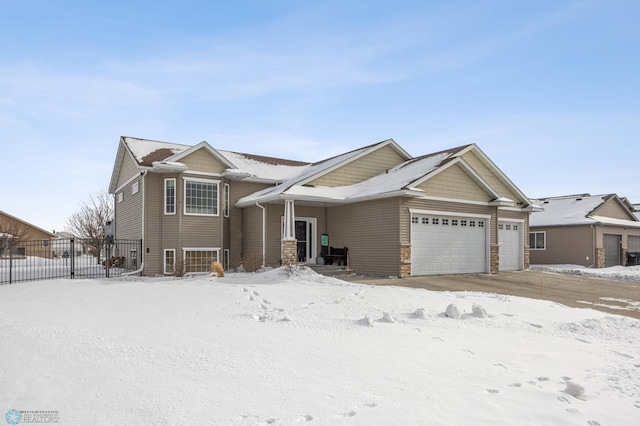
[(285, 349)]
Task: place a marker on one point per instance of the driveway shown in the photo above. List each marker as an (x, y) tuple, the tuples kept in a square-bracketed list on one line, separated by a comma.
[(615, 297)]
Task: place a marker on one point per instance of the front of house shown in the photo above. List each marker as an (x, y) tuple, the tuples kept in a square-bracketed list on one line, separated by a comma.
[(448, 212)]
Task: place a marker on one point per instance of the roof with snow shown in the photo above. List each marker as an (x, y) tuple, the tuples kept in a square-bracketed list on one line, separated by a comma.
[(575, 210), (293, 179)]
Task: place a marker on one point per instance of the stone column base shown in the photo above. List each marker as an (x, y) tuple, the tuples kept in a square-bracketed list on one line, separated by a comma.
[(495, 258), (289, 250)]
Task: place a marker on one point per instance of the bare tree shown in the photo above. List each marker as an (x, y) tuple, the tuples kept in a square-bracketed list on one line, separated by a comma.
[(12, 233), (88, 222)]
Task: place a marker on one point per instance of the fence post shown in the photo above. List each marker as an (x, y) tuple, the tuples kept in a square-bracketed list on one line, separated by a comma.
[(72, 257), (10, 261)]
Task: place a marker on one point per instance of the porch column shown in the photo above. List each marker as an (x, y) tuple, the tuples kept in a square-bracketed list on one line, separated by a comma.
[(289, 245)]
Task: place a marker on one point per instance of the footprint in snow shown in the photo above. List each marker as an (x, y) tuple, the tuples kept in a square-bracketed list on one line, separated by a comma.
[(266, 301), (246, 290)]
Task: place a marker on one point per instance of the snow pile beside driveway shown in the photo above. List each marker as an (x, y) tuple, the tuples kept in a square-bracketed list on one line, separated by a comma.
[(620, 273), (284, 349)]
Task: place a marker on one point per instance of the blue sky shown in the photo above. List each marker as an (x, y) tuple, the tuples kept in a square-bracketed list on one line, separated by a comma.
[(549, 90)]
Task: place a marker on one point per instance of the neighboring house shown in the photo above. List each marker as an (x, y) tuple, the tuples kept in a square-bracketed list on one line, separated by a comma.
[(590, 230), (452, 211), (26, 239)]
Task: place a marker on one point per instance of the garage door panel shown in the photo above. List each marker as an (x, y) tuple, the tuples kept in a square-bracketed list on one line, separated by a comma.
[(444, 244), (511, 243)]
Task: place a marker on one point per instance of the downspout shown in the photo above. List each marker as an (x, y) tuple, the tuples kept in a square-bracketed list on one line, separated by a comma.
[(594, 251), (264, 232)]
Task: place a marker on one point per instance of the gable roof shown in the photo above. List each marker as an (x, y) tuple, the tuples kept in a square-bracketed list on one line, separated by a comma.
[(27, 223), (397, 181), (294, 179), (578, 209)]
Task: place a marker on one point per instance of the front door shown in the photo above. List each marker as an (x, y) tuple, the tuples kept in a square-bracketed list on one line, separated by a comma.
[(305, 235)]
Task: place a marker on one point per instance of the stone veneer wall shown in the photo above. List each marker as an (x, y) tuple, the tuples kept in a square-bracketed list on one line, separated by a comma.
[(405, 260), (600, 258), (495, 258), (289, 252)]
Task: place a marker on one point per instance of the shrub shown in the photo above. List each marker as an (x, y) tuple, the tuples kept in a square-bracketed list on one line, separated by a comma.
[(217, 268)]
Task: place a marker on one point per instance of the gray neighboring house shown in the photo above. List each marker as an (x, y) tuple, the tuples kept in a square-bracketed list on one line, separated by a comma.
[(447, 212), (596, 231)]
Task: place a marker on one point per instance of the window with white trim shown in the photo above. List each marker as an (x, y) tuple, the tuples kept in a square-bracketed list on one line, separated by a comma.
[(169, 261), (538, 240), (120, 196), (170, 196), (201, 197), (199, 260), (226, 200), (135, 187)]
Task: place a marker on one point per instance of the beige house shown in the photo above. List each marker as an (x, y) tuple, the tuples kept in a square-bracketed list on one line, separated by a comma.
[(448, 212), (26, 239), (590, 230)]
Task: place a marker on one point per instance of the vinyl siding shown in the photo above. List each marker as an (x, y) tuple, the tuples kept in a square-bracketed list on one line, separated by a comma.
[(128, 213), (565, 245), (245, 225), (202, 161), (128, 170), (454, 183), (611, 208), (361, 169), (489, 176), (371, 232)]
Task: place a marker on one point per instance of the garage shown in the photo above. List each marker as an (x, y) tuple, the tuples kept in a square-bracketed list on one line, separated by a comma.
[(448, 243), (510, 240)]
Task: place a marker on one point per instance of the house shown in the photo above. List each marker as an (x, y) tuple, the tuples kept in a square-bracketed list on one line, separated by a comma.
[(23, 238), (590, 230), (452, 211)]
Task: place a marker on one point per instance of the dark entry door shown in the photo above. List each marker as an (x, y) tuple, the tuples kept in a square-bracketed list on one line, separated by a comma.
[(611, 250), (301, 236)]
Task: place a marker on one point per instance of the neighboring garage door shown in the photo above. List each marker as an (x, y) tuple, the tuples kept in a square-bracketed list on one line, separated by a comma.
[(442, 244), (611, 250), (510, 236)]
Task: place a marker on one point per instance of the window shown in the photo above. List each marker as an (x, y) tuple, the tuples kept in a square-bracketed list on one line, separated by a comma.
[(472, 223), (481, 224), (463, 223), (445, 221), (537, 240), (414, 219), (135, 188), (201, 197), (435, 221), (199, 260), (226, 200), (425, 220), (169, 196), (120, 196), (169, 261), (454, 222)]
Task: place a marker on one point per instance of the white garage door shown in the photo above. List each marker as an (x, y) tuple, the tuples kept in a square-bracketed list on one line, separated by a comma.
[(510, 239), (442, 244)]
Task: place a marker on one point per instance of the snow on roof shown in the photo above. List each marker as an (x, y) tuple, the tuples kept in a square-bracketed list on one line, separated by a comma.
[(395, 179), (265, 169), (572, 210), (147, 151), (617, 222)]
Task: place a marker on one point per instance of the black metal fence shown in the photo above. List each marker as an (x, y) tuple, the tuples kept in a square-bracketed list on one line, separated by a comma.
[(67, 258)]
